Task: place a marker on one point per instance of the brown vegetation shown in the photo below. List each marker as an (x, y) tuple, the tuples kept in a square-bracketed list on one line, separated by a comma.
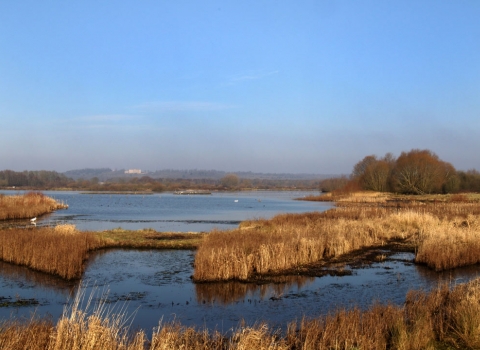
[(60, 251), (149, 239), (413, 172), (444, 234), (441, 319), (63, 250), (27, 206)]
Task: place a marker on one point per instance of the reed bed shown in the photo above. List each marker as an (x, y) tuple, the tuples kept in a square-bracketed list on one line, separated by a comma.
[(27, 206), (445, 318), (60, 250), (445, 234), (63, 250), (290, 241), (448, 244)]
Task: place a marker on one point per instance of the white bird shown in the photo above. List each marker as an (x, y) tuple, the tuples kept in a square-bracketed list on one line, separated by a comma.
[(236, 200), (33, 220)]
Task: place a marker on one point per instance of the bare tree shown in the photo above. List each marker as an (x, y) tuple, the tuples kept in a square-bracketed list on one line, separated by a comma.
[(421, 172), (230, 181), (372, 173)]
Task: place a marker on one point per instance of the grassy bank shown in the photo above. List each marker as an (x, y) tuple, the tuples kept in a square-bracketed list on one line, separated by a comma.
[(441, 319), (443, 231), (27, 206), (63, 250), (149, 239)]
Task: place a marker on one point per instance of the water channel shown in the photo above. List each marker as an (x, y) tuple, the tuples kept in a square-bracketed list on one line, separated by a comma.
[(155, 285)]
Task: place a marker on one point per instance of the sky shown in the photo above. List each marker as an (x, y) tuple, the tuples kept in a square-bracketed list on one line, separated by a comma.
[(265, 86)]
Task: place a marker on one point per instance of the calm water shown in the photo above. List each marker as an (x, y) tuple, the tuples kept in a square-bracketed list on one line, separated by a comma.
[(156, 285), (169, 212)]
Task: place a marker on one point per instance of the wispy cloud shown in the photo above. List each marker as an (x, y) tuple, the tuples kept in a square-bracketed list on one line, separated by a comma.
[(183, 106)]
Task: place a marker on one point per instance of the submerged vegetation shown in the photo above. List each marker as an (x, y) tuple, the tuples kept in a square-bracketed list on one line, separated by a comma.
[(441, 319)]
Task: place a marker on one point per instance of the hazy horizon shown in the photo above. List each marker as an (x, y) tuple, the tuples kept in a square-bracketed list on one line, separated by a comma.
[(269, 87)]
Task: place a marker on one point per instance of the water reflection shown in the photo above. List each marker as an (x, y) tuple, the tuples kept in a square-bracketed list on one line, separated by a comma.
[(452, 277), (232, 292), (25, 278), (157, 285)]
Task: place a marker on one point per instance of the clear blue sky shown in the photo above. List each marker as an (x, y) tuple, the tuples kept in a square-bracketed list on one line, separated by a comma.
[(267, 86)]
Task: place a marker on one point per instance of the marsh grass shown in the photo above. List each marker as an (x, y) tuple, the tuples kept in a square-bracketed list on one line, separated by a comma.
[(444, 234), (60, 251), (29, 205), (445, 318), (63, 250), (149, 239)]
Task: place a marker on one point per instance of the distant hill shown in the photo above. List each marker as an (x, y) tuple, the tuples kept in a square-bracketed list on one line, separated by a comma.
[(104, 174)]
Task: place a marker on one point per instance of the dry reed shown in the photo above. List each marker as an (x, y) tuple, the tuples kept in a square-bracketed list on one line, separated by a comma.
[(445, 234), (441, 319), (61, 251), (29, 205)]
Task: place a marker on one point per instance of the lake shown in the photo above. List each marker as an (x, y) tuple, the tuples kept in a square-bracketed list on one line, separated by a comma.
[(155, 285), (169, 212)]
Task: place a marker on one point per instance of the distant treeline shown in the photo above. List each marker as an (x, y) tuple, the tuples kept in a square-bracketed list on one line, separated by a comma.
[(414, 172), (104, 174), (44, 180), (37, 179)]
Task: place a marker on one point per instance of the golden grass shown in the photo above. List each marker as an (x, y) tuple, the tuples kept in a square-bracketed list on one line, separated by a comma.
[(27, 206), (66, 229), (60, 251), (356, 197), (444, 233), (450, 243), (63, 250), (442, 319)]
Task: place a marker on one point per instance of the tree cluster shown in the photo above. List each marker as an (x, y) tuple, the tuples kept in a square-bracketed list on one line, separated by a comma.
[(414, 172)]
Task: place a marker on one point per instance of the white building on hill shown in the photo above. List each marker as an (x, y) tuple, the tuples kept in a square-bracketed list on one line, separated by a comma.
[(133, 171)]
